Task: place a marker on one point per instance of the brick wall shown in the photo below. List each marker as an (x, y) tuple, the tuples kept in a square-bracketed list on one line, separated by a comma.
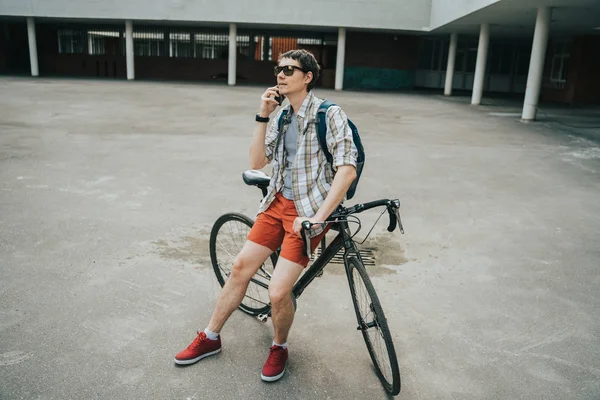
[(582, 84), (587, 84)]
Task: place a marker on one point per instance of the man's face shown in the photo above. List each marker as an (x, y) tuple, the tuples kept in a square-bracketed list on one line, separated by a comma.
[(294, 83)]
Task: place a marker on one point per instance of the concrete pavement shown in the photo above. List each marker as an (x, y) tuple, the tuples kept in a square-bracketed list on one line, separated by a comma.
[(108, 191)]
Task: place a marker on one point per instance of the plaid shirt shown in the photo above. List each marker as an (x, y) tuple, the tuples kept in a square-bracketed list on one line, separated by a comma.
[(311, 175)]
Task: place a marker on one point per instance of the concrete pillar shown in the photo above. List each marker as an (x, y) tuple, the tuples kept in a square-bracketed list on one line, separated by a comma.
[(451, 62), (90, 45), (482, 51), (129, 50), (536, 64), (193, 40), (232, 54), (33, 57), (339, 63)]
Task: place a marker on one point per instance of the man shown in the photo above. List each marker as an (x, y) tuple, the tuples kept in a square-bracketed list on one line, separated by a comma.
[(303, 187)]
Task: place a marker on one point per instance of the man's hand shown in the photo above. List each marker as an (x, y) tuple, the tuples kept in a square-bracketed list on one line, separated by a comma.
[(298, 224), (268, 105)]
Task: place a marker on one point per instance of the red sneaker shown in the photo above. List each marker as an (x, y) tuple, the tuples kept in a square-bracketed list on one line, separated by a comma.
[(275, 366), (201, 347)]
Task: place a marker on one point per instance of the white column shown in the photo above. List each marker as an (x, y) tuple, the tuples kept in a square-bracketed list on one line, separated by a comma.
[(232, 54), (90, 45), (536, 64), (339, 64), (33, 57), (129, 50), (193, 39), (451, 62), (482, 51)]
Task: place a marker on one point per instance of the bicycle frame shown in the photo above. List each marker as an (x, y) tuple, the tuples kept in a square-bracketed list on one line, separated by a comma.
[(342, 240)]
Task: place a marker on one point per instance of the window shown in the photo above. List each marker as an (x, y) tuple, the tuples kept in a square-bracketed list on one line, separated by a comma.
[(148, 43), (501, 58), (98, 40), (433, 54), (560, 59), (425, 54), (471, 60), (211, 44), (445, 51), (72, 41), (523, 58), (180, 45)]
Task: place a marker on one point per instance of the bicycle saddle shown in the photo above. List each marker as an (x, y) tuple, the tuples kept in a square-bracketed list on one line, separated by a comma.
[(254, 177)]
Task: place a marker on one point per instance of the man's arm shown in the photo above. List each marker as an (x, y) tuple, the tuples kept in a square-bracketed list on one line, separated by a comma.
[(258, 158), (344, 154), (258, 151), (344, 177)]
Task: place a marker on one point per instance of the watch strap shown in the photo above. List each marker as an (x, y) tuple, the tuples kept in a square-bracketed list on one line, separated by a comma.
[(261, 119)]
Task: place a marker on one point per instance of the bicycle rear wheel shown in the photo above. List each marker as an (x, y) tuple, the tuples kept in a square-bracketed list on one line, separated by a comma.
[(228, 235), (373, 325)]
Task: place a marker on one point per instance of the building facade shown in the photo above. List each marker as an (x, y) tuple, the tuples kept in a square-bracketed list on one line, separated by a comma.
[(535, 49)]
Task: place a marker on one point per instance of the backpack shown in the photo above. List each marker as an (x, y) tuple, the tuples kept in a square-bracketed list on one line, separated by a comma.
[(321, 134)]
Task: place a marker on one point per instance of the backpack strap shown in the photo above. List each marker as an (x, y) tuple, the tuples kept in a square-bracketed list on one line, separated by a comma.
[(280, 122), (322, 128), (284, 114)]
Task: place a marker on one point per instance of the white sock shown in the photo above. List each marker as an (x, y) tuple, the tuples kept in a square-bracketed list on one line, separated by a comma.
[(280, 345), (211, 335)]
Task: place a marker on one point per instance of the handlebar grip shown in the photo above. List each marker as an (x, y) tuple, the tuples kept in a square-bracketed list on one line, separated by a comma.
[(375, 203), (306, 238), (393, 220)]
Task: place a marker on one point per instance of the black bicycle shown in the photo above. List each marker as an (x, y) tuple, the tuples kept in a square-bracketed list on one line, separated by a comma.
[(229, 234)]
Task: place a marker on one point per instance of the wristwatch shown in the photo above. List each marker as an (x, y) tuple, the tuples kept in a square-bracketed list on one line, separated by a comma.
[(261, 119)]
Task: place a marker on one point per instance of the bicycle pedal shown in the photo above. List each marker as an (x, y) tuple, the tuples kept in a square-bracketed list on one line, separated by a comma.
[(262, 317)]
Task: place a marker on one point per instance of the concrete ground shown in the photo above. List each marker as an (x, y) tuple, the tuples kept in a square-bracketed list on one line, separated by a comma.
[(108, 191)]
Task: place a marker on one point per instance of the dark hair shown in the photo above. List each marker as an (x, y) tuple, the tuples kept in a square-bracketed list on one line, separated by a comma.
[(307, 61)]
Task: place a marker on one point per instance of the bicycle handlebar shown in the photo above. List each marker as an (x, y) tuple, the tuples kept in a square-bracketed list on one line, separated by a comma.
[(393, 209)]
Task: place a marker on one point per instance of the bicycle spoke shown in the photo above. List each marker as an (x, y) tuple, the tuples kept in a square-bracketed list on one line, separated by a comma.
[(224, 247), (257, 300), (227, 241), (368, 322)]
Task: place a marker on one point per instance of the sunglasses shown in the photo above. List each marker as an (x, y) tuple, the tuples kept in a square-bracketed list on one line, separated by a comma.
[(288, 70)]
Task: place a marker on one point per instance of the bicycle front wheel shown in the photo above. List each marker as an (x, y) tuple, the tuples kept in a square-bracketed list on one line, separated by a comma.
[(228, 235), (373, 325)]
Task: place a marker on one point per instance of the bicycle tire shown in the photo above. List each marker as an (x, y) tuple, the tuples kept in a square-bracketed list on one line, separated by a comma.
[(389, 374), (256, 299)]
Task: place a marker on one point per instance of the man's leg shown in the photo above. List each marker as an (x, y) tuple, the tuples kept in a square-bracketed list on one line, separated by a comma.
[(282, 311), (244, 267), (280, 289), (247, 262)]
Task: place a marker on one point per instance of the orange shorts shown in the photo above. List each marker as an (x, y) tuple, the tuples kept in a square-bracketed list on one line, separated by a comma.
[(275, 227)]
